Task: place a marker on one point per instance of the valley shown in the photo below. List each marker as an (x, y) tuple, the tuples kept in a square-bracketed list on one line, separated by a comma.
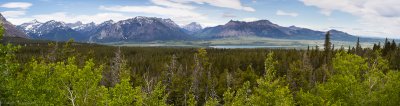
[(245, 42)]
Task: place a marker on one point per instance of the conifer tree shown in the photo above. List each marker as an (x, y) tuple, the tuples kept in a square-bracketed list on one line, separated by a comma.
[(327, 48), (393, 45), (358, 47)]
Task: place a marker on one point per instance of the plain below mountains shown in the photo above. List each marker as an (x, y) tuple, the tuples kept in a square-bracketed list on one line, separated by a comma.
[(143, 29)]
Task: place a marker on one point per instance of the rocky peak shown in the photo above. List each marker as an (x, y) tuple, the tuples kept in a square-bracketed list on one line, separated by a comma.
[(54, 24), (294, 27), (264, 23), (193, 27), (74, 25), (34, 21), (2, 19), (107, 22), (232, 23)]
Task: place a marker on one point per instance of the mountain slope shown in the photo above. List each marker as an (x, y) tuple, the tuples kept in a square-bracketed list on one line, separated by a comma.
[(138, 29), (143, 29), (265, 28), (10, 29), (51, 30), (192, 28)]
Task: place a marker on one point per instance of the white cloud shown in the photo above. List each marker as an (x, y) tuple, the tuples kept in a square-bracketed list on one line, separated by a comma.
[(18, 5), (228, 15), (180, 16), (250, 19), (284, 13), (70, 18), (181, 11), (173, 12), (13, 13), (172, 4), (233, 4), (382, 17)]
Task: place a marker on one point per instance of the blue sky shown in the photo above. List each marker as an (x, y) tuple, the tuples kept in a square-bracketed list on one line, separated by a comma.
[(376, 18)]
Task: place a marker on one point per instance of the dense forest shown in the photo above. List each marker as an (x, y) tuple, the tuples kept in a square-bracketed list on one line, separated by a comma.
[(78, 74)]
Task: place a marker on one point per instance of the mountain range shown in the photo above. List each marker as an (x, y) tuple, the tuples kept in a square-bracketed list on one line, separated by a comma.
[(143, 29)]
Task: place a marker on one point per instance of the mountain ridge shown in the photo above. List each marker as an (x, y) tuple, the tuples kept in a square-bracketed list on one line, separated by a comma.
[(145, 29), (10, 29)]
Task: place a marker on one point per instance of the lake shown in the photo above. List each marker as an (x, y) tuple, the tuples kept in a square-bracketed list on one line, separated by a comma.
[(250, 47)]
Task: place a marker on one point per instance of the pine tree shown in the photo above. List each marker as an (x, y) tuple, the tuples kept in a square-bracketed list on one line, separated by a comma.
[(393, 45), (327, 48), (358, 47), (386, 47)]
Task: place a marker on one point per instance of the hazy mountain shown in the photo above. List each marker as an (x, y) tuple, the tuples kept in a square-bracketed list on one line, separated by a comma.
[(192, 28), (51, 30), (265, 28), (138, 29), (10, 29)]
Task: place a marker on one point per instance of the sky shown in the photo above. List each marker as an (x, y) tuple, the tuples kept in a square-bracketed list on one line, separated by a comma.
[(371, 18)]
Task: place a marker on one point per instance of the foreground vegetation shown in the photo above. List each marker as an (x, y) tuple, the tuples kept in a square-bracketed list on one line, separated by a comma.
[(88, 74)]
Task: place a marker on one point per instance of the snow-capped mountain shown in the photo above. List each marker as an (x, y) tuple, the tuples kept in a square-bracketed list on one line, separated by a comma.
[(74, 25), (193, 27), (85, 27), (134, 29), (152, 28), (138, 29), (30, 26), (50, 30)]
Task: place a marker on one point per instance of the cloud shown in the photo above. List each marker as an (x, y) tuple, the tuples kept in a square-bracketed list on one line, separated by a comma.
[(381, 16), (173, 12), (13, 13), (181, 11), (228, 15), (250, 19), (17, 5), (284, 13), (232, 4), (172, 4), (70, 18)]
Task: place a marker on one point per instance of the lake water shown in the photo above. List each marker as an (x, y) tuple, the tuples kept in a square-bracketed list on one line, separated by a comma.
[(250, 47)]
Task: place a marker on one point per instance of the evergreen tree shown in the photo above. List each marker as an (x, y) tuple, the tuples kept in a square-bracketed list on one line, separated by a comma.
[(358, 49), (393, 45), (327, 48)]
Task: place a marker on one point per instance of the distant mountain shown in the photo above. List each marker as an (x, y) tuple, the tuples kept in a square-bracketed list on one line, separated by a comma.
[(135, 29), (10, 29), (143, 29), (51, 30), (74, 25), (262, 28), (192, 28), (265, 28), (138, 29)]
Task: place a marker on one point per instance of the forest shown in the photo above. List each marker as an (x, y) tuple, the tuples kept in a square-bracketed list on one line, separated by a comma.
[(80, 74)]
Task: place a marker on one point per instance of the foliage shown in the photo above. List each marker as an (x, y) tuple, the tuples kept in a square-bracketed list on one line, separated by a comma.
[(71, 73)]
